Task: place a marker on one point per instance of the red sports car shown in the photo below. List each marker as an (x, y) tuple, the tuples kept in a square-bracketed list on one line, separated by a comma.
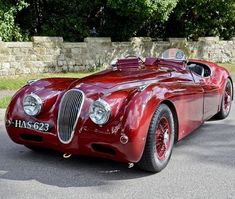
[(132, 112)]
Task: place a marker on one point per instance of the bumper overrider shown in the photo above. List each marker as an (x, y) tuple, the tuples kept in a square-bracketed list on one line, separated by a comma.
[(66, 127)]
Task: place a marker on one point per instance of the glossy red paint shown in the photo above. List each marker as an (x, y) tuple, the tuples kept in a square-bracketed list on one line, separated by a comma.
[(134, 90)]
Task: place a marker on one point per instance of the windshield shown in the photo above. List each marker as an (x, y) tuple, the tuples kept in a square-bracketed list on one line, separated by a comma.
[(173, 54)]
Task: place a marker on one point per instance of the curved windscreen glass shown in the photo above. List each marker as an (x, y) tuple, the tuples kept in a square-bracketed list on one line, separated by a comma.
[(174, 54)]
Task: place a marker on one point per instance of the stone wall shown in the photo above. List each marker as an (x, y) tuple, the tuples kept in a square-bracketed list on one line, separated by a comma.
[(52, 54)]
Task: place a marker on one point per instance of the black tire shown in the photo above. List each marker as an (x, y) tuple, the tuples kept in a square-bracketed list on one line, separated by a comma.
[(151, 160), (224, 112)]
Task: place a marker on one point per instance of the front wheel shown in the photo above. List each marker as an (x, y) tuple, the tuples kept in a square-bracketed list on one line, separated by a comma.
[(160, 140)]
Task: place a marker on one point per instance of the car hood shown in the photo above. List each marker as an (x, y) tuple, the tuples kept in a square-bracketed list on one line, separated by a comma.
[(110, 79), (99, 84)]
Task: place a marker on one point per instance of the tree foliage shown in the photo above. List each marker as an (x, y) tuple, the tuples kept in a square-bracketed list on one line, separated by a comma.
[(75, 19), (198, 18), (124, 19), (69, 19), (120, 19), (9, 30)]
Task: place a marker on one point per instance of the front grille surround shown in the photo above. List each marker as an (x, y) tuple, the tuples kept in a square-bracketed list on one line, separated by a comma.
[(69, 110)]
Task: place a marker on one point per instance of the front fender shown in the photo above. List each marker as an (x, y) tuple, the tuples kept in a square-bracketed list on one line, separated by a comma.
[(47, 89), (138, 116)]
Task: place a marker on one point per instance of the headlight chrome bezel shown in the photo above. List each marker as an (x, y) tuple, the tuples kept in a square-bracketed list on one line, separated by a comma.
[(38, 104), (106, 109)]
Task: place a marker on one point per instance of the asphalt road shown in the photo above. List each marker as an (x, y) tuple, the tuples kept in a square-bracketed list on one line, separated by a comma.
[(202, 166)]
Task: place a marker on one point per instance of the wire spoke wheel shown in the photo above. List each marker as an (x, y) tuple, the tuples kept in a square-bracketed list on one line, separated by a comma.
[(160, 140)]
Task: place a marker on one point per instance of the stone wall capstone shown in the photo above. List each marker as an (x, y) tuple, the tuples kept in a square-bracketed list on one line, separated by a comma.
[(52, 54)]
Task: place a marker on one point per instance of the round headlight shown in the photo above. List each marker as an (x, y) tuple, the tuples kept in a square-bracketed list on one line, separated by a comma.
[(99, 111), (32, 104)]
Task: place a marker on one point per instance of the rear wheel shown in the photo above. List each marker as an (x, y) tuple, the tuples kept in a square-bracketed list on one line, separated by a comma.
[(226, 102), (160, 140)]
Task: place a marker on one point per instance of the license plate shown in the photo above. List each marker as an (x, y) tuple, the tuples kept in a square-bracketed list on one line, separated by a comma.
[(38, 126)]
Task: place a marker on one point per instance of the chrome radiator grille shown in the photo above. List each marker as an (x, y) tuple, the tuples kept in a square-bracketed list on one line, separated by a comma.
[(69, 112)]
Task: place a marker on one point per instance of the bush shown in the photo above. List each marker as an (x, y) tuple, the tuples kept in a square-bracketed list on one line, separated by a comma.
[(9, 30)]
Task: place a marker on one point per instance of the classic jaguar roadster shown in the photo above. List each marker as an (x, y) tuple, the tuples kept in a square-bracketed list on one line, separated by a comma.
[(132, 112)]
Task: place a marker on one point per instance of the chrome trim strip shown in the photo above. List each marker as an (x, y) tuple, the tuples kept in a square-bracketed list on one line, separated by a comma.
[(31, 81), (143, 87)]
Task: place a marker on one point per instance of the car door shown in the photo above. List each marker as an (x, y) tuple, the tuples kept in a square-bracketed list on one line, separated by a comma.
[(188, 99), (211, 98), (211, 95)]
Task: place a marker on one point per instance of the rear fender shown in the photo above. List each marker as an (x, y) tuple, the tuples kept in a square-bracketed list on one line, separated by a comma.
[(222, 83)]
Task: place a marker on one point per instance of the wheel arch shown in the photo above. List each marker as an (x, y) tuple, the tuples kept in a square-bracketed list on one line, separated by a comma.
[(137, 130), (232, 86), (173, 109)]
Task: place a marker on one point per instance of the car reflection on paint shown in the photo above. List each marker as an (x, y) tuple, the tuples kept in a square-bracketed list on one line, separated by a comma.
[(133, 112)]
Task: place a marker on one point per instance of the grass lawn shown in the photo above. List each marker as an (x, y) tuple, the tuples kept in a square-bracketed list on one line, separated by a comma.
[(5, 101), (229, 67), (16, 82)]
